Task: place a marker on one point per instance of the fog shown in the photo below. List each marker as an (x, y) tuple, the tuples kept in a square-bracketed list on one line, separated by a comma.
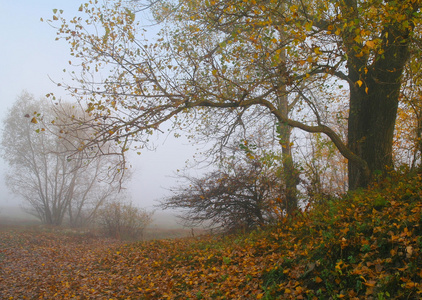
[(31, 58)]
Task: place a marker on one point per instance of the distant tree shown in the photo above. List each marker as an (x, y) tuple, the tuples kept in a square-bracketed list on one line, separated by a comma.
[(54, 184), (123, 220), (323, 168), (243, 193), (408, 132)]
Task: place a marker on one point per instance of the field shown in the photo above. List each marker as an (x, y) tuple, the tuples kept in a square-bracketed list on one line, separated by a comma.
[(366, 245)]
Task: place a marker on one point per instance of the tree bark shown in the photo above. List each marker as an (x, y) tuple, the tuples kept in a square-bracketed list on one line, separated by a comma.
[(374, 98), (290, 175)]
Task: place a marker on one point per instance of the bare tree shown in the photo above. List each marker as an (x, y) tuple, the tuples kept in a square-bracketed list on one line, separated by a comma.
[(53, 184), (243, 193)]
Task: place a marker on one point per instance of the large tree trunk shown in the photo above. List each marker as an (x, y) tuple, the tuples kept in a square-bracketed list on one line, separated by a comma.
[(374, 96), (372, 119)]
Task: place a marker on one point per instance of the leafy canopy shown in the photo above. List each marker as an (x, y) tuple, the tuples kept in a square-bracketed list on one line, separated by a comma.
[(240, 58)]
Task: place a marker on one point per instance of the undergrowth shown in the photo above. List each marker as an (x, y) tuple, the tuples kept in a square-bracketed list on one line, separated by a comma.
[(365, 245)]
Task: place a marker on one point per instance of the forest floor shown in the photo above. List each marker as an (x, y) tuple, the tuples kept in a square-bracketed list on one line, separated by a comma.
[(365, 245)]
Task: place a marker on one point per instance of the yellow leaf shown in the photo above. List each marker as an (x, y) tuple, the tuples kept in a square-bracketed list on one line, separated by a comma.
[(250, 156), (293, 8), (370, 44), (359, 83), (318, 279), (214, 72), (34, 120), (259, 296), (366, 90)]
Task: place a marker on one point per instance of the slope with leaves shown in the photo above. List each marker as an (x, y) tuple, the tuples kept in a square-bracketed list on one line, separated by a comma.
[(365, 245), (362, 246)]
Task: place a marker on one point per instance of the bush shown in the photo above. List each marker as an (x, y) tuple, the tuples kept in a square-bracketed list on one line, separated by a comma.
[(123, 221)]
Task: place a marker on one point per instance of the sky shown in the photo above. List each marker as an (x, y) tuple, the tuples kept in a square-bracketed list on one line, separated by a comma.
[(30, 58)]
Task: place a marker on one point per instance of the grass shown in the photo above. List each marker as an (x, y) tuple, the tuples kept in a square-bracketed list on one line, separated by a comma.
[(366, 245)]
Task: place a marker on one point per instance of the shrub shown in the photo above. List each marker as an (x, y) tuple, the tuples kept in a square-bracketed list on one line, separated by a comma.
[(123, 221)]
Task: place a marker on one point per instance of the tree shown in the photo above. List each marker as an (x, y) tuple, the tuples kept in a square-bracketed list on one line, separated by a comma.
[(241, 56), (324, 169), (407, 138), (243, 193), (53, 183)]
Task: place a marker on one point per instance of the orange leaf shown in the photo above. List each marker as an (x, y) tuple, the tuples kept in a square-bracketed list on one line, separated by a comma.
[(370, 283)]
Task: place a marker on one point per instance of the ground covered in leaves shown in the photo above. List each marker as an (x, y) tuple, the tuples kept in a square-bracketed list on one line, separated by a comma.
[(366, 245)]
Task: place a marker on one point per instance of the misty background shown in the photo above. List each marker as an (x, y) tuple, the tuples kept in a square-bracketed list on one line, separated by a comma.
[(32, 60)]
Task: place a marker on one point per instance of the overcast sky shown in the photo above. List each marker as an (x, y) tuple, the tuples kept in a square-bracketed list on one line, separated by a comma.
[(30, 55)]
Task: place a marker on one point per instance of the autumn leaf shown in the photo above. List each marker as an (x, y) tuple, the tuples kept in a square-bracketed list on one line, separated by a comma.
[(370, 44)]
